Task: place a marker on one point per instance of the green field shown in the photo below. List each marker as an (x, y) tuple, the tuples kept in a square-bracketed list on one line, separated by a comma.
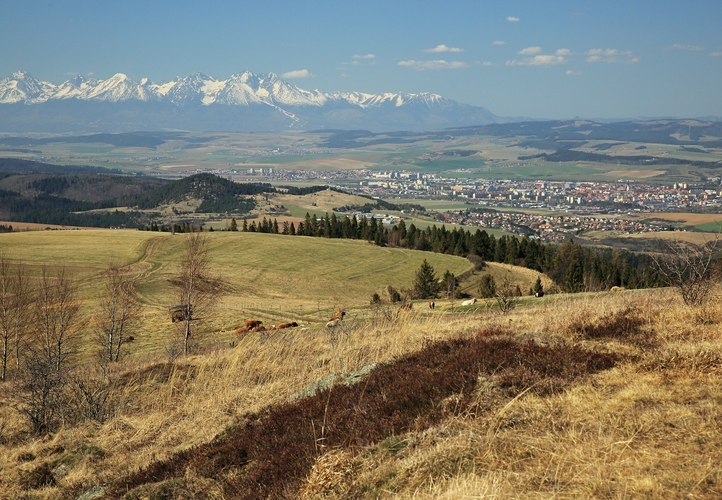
[(496, 158), (710, 227)]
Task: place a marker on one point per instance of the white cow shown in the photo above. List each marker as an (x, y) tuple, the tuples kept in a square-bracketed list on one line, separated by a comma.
[(469, 302)]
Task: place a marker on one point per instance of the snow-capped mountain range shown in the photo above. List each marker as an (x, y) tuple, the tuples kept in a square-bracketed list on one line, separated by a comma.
[(210, 102)]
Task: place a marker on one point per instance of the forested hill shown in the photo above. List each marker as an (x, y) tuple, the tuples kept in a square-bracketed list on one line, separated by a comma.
[(74, 198), (217, 193)]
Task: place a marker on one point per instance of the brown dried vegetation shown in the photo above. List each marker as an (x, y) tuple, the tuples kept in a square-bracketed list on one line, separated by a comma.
[(274, 451), (568, 396)]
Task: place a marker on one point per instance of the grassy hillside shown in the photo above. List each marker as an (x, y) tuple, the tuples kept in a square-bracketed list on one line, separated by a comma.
[(273, 277), (607, 395)]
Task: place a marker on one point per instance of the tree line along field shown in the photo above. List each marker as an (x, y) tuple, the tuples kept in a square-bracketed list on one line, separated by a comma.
[(274, 278)]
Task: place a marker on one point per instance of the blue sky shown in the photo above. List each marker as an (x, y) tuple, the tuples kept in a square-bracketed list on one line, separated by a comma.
[(540, 59)]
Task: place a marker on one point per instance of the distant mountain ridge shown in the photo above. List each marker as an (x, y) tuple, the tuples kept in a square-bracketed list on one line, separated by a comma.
[(243, 102)]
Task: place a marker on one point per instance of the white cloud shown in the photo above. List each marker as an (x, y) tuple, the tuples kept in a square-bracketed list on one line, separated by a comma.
[(611, 56), (433, 65), (530, 51), (486, 63), (345, 75), (298, 73), (512, 19), (444, 48), (573, 73), (563, 52), (715, 54), (367, 56), (679, 46), (539, 60), (499, 42)]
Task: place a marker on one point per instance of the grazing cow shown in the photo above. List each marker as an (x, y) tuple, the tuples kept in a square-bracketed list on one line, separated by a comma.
[(539, 294), (180, 313), (333, 323), (258, 328), (242, 330), (432, 305), (253, 323), (130, 338), (283, 326), (617, 289), (469, 302), (339, 316)]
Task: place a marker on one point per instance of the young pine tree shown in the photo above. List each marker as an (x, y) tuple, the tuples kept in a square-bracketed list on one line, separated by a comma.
[(426, 285)]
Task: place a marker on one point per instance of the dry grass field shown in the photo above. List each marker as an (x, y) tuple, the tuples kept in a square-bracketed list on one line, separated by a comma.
[(609, 395), (649, 426), (684, 217)]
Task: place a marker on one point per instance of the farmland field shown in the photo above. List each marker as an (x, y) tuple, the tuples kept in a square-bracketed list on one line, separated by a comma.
[(491, 157)]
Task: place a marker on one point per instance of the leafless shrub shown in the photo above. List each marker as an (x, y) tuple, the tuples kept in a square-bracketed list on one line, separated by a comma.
[(92, 389), (173, 349), (40, 393), (689, 268), (506, 295)]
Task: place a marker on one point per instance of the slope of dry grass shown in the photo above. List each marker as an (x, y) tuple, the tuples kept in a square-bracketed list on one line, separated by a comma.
[(649, 426)]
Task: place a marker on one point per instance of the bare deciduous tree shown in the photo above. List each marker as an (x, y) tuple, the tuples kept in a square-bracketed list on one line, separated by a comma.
[(689, 268), (197, 287), (57, 316), (14, 311), (119, 311)]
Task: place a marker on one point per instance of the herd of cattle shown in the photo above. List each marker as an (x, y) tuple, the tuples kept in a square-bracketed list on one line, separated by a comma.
[(183, 313), (256, 325)]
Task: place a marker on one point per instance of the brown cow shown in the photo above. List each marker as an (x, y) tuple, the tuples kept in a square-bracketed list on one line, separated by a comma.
[(339, 316), (432, 305), (252, 323)]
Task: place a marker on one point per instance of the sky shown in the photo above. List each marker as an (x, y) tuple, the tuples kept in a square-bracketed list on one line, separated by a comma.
[(538, 59)]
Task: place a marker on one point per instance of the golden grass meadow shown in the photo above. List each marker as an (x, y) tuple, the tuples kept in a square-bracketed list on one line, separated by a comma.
[(641, 419)]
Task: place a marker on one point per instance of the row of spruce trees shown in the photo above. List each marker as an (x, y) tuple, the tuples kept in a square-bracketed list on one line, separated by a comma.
[(573, 267)]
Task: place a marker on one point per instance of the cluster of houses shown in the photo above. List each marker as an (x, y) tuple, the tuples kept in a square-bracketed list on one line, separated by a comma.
[(550, 227)]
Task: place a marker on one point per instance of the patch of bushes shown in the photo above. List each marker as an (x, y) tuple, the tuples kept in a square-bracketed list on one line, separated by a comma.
[(270, 455)]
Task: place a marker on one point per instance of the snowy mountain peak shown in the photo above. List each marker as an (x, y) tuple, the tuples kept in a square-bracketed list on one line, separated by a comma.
[(241, 89), (189, 97)]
